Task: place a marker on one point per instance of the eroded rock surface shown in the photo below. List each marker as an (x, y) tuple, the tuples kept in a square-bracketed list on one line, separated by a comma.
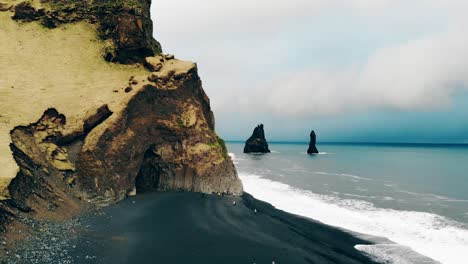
[(160, 137), (257, 142)]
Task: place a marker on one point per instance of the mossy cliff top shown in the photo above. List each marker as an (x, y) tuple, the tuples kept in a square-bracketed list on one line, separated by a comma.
[(126, 26)]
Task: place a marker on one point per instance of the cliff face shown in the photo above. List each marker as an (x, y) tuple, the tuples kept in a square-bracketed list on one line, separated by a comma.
[(81, 141), (257, 142), (161, 137)]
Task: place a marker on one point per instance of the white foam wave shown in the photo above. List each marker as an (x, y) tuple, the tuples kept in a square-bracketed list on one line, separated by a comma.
[(356, 177), (393, 254), (432, 197), (355, 195), (431, 235), (320, 153), (233, 158)]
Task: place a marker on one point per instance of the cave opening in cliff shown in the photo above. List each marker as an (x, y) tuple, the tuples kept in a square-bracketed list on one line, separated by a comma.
[(149, 175)]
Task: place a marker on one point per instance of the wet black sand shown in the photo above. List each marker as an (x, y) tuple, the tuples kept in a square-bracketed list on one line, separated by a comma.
[(194, 228)]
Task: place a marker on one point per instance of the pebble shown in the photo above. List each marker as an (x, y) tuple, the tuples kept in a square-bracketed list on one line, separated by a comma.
[(49, 244)]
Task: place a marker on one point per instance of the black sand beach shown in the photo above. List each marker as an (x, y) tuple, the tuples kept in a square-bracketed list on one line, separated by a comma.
[(193, 228)]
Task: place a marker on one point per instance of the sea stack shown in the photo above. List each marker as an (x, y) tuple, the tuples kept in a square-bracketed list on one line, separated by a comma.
[(313, 140), (257, 142)]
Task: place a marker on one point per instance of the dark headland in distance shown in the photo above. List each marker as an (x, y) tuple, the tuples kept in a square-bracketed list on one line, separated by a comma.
[(182, 227)]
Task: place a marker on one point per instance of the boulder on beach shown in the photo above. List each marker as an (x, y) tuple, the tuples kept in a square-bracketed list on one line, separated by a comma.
[(257, 142), (313, 140)]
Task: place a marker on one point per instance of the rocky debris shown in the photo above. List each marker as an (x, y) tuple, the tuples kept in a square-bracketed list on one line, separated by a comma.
[(126, 24), (132, 81), (257, 142), (313, 140), (169, 57), (155, 64), (5, 217), (50, 242)]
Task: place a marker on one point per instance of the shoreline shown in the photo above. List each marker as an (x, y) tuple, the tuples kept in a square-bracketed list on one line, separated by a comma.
[(181, 227)]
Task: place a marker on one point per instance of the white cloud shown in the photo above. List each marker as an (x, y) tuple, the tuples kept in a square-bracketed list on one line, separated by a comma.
[(419, 75), (244, 49), (213, 15)]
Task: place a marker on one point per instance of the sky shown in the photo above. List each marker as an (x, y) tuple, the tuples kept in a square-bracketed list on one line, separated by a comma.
[(352, 70)]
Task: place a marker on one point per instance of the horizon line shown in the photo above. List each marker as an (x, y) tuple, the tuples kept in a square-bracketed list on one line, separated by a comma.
[(359, 142)]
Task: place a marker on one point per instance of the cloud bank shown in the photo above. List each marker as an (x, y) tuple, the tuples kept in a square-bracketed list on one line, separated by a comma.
[(422, 74), (321, 58)]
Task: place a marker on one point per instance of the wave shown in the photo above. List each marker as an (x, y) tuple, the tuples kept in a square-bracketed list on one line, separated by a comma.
[(320, 153), (233, 158), (434, 197), (428, 234), (393, 254), (343, 175)]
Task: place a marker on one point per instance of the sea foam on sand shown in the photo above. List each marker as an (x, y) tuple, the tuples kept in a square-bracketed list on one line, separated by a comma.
[(431, 235)]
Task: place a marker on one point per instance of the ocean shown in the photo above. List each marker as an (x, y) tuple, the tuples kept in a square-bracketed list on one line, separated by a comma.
[(415, 195)]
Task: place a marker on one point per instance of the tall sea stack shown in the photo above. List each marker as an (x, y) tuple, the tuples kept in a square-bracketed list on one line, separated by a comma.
[(313, 140), (92, 111), (257, 142)]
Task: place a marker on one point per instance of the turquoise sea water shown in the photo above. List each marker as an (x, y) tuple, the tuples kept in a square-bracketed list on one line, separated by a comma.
[(414, 195)]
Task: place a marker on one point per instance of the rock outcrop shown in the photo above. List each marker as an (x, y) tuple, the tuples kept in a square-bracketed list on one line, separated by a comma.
[(257, 142), (160, 136), (156, 131), (313, 140)]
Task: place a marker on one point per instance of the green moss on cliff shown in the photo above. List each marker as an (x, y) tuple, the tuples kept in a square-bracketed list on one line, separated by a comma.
[(221, 145)]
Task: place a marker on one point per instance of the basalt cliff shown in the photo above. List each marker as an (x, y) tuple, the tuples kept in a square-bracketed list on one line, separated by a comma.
[(92, 111)]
